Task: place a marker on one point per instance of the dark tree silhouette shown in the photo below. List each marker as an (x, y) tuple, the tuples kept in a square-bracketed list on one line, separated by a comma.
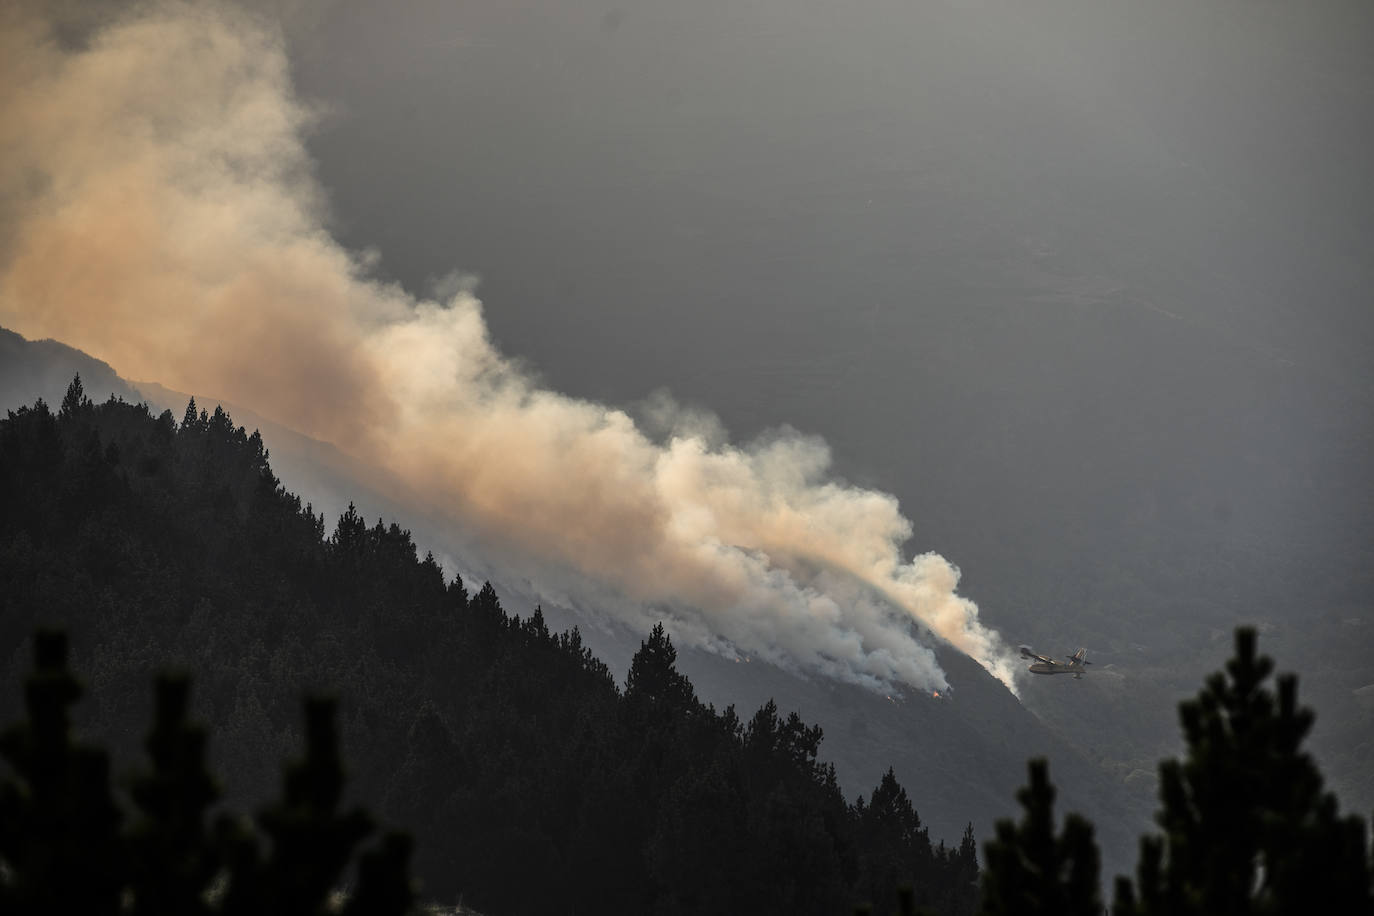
[(895, 847), (1247, 826), (59, 825), (75, 402), (311, 843), (62, 849), (1031, 870), (1248, 829), (172, 860), (654, 683)]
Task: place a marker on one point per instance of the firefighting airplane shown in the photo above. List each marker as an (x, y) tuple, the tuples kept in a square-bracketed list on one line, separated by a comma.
[(1045, 665)]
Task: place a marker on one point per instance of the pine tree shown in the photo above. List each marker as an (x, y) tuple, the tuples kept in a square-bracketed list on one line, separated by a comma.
[(896, 849), (1032, 871), (61, 849), (961, 887), (311, 841), (59, 825), (654, 681), (75, 402), (350, 534), (1247, 827), (173, 859), (189, 420)]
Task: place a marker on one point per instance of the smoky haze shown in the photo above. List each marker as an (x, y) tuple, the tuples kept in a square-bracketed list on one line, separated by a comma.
[(161, 213)]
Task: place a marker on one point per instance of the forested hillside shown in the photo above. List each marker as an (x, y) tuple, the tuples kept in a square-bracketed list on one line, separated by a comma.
[(532, 780)]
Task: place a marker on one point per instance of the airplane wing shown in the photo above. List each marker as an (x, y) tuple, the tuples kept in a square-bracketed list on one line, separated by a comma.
[(1027, 653)]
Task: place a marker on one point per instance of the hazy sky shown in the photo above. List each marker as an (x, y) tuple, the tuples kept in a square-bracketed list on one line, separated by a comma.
[(1062, 275), (1085, 284)]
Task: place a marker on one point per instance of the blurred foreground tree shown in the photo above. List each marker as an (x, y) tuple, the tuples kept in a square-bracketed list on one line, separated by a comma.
[(62, 851), (1247, 826), (59, 826), (1030, 870), (1248, 829)]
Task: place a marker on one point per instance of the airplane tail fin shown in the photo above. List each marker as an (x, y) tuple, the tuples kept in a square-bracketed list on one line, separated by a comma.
[(1081, 657)]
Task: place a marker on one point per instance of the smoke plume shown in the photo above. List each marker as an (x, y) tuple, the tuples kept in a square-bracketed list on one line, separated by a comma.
[(158, 209)]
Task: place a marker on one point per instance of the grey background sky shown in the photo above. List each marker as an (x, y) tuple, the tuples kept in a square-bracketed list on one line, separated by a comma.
[(1086, 284), (1061, 257)]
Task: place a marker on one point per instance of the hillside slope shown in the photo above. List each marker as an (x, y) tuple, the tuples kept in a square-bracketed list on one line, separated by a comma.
[(963, 755), (532, 781)]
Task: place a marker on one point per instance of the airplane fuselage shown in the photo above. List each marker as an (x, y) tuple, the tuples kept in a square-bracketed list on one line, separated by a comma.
[(1043, 664), (1043, 668)]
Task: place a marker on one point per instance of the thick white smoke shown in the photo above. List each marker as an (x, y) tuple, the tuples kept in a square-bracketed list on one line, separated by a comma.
[(159, 211)]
